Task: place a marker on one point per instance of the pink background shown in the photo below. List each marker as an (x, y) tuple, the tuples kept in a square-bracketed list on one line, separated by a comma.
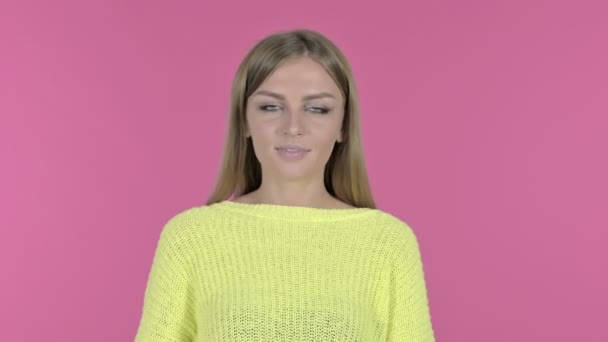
[(484, 122)]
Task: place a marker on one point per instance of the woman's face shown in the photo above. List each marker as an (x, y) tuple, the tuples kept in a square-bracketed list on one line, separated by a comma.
[(299, 104)]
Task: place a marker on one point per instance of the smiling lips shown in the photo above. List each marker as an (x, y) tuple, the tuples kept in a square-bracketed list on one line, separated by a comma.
[(293, 148), (292, 152)]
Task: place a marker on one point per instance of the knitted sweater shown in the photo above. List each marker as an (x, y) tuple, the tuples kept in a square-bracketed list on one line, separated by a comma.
[(241, 272)]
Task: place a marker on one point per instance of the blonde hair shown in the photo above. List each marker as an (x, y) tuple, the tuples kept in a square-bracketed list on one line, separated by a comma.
[(345, 175)]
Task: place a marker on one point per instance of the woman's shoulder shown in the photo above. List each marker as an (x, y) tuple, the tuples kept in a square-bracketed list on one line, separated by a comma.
[(396, 228), (181, 225), (188, 215), (195, 218), (389, 219)]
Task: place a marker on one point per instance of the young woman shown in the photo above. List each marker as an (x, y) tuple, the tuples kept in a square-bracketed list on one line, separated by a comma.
[(289, 246)]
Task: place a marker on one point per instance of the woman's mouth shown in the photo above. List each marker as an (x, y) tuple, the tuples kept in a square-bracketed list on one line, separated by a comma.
[(292, 153)]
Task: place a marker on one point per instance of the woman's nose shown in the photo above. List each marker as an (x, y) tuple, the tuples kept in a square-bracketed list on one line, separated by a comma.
[(294, 123)]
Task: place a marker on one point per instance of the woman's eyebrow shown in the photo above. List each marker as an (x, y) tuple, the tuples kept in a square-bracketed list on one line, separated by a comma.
[(305, 98)]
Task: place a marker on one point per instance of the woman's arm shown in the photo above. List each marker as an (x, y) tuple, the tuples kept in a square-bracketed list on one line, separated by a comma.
[(409, 314), (168, 309)]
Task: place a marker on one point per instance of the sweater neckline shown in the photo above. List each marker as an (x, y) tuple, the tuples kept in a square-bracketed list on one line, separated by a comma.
[(298, 213)]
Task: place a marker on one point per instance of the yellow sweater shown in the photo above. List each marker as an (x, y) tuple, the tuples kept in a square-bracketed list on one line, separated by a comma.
[(261, 272)]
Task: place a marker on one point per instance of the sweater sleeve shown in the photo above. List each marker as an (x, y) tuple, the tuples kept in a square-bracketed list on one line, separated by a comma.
[(409, 314), (168, 308)]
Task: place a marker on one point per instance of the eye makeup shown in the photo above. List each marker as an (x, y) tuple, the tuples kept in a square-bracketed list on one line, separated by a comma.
[(313, 109)]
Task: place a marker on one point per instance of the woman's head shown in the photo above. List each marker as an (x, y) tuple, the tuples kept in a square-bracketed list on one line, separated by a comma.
[(294, 88)]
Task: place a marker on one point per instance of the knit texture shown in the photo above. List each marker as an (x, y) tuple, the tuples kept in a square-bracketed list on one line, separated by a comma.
[(262, 272)]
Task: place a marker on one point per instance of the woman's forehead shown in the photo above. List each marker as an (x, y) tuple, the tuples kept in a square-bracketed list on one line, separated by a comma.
[(303, 77)]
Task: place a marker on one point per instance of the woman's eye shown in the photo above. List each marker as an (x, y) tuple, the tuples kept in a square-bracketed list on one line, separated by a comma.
[(269, 108), (319, 110)]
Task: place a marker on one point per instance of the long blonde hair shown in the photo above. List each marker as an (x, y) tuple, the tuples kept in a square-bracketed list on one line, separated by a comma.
[(345, 175)]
